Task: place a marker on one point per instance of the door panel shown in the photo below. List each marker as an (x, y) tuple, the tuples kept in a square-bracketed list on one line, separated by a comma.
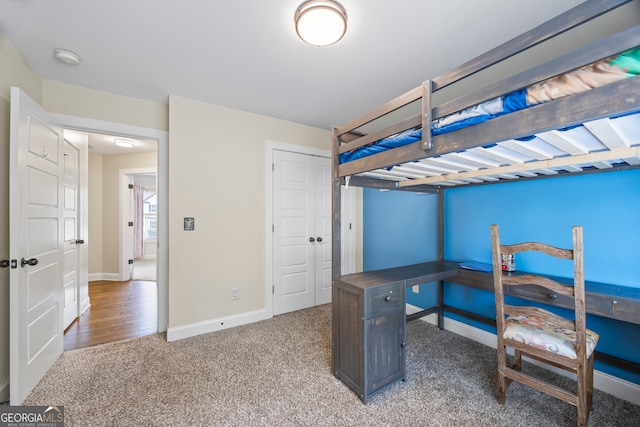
[(36, 230), (323, 229), (293, 205)]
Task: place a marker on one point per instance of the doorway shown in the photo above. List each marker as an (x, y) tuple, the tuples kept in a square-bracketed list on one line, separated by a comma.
[(161, 139), (108, 209), (138, 224)]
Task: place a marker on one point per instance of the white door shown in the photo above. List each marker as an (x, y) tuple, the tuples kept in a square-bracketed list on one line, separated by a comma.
[(36, 197), (323, 222), (348, 232), (70, 277), (301, 231)]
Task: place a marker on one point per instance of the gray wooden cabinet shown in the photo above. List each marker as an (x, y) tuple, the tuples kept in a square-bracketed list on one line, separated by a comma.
[(369, 335)]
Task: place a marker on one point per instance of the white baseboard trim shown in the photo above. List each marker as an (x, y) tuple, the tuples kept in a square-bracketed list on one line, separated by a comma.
[(193, 329), (4, 390), (113, 277), (618, 387)]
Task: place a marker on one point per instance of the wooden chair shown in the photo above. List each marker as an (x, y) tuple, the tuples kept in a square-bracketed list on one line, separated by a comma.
[(540, 334)]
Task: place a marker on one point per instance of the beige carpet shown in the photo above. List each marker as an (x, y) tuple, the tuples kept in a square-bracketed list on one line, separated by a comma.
[(277, 373), (144, 269)]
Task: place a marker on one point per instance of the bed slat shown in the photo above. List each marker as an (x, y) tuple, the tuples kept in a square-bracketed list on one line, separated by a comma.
[(599, 158)]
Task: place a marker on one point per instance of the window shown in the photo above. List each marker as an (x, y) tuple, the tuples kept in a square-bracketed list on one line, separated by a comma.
[(150, 204)]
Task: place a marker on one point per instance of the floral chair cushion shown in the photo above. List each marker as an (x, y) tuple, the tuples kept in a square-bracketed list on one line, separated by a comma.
[(538, 332)]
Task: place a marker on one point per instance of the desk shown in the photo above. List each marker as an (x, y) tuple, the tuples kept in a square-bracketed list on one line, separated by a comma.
[(368, 339)]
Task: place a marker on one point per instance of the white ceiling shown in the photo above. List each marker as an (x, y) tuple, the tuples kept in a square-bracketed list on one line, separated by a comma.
[(246, 55)]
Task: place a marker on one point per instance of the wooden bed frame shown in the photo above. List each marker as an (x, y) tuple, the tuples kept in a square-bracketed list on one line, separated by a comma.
[(593, 107)]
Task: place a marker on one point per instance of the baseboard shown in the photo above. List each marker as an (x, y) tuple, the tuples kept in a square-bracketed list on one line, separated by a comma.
[(4, 390), (193, 329), (112, 277), (618, 387)]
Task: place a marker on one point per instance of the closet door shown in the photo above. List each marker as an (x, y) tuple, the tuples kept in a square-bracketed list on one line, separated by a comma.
[(301, 231), (323, 230)]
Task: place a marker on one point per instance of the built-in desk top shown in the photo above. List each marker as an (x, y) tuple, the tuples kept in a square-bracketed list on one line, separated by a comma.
[(602, 299)]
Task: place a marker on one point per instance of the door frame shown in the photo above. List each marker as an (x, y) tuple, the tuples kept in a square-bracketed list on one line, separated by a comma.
[(268, 170), (162, 137)]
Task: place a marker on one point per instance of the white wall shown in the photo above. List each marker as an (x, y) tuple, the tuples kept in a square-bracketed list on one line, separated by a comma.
[(217, 158)]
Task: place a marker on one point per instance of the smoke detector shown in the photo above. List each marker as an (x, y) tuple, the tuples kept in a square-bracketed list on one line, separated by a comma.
[(66, 56)]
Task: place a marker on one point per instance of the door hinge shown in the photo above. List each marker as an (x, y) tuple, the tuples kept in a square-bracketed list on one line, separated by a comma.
[(349, 226), (130, 186), (130, 224), (273, 289), (273, 228), (273, 167), (130, 261)]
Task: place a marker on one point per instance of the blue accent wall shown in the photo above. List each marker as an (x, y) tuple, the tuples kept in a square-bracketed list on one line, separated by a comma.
[(400, 229), (393, 234)]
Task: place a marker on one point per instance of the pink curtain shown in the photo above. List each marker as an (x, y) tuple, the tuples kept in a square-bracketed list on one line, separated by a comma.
[(138, 221)]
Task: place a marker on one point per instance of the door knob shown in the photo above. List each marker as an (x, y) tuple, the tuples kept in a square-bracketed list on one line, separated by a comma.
[(79, 242), (311, 239), (4, 263), (32, 261), (319, 239)]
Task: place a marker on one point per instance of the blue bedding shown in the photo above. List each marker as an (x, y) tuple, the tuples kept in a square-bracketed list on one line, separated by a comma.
[(468, 117)]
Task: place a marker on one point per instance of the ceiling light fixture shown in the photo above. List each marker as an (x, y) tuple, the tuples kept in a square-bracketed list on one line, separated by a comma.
[(320, 22), (66, 56), (121, 142)]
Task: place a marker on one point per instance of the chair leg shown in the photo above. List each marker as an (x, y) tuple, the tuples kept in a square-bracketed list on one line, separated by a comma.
[(583, 394), (517, 360), (502, 381)]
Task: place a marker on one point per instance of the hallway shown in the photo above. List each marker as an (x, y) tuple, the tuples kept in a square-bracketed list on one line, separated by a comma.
[(119, 310)]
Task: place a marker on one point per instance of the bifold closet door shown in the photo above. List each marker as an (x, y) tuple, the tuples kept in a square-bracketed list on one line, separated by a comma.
[(301, 231)]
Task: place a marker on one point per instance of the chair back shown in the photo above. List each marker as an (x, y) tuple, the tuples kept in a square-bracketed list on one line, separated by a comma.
[(555, 290)]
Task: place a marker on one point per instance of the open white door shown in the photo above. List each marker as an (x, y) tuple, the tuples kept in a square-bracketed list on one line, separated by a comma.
[(36, 235), (71, 264)]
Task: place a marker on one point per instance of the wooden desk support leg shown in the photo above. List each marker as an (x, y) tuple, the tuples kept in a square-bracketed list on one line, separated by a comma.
[(440, 304)]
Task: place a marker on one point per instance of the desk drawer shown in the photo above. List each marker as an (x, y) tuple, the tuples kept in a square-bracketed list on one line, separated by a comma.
[(386, 297), (596, 304)]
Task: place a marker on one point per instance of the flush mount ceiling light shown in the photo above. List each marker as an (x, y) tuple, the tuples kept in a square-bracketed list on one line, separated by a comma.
[(320, 22), (121, 142), (66, 56)]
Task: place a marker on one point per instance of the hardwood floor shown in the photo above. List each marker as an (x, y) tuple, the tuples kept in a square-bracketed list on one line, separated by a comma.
[(119, 310)]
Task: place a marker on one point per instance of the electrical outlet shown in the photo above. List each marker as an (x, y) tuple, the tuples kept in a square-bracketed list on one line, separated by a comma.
[(415, 289), (235, 294)]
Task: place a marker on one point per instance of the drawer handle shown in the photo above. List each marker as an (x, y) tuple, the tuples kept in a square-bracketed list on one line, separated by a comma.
[(403, 344), (552, 296), (387, 298)]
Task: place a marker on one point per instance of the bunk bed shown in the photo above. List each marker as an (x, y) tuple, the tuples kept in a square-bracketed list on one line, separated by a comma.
[(578, 113)]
